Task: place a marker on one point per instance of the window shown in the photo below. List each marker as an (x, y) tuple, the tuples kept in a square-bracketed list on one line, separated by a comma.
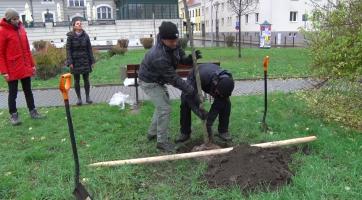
[(104, 12), (222, 6), (246, 18), (76, 3), (47, 1), (293, 16), (48, 16), (222, 21), (256, 17)]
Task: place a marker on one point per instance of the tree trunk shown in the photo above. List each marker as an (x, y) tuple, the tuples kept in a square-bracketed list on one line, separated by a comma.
[(207, 137), (239, 16)]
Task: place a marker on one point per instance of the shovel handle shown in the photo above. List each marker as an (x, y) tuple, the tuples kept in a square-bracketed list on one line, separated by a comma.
[(64, 84), (266, 63)]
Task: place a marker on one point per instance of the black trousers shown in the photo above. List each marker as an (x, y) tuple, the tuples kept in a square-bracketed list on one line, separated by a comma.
[(13, 94), (221, 107), (77, 84)]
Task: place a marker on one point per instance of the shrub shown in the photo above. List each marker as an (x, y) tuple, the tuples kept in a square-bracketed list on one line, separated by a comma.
[(183, 42), (230, 39), (49, 63), (338, 100), (123, 43), (116, 50), (96, 54), (41, 45), (336, 40), (147, 42)]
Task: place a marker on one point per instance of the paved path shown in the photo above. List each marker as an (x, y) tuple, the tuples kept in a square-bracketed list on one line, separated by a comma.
[(102, 94)]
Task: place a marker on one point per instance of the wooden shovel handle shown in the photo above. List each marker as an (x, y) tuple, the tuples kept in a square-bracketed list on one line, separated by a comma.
[(266, 63), (64, 84)]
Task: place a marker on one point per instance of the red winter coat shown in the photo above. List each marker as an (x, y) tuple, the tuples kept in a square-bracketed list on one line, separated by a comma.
[(15, 56)]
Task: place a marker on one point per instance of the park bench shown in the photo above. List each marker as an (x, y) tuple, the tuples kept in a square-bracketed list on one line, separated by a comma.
[(182, 70)]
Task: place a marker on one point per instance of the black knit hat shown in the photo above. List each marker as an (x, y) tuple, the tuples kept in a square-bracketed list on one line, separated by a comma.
[(168, 30), (225, 86)]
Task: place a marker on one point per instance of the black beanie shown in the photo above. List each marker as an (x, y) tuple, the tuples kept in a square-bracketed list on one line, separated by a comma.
[(168, 30), (225, 86)]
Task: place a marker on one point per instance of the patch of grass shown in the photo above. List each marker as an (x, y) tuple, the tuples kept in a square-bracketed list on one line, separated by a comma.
[(36, 158), (284, 62)]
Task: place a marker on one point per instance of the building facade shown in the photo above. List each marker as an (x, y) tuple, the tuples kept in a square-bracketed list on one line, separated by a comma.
[(147, 9), (93, 10), (106, 21), (217, 19)]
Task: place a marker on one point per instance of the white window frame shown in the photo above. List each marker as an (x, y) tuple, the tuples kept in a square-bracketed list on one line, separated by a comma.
[(257, 15), (52, 12), (85, 4), (247, 19), (104, 5)]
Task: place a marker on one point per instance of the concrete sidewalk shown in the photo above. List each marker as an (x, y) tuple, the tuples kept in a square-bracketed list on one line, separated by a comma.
[(102, 94)]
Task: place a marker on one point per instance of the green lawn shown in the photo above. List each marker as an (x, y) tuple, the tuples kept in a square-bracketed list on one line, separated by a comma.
[(36, 159), (284, 62)]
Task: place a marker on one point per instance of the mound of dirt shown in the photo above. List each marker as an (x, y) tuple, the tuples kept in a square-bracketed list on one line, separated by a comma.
[(251, 168)]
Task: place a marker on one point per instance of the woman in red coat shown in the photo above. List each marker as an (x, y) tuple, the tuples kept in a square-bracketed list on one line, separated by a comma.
[(16, 63)]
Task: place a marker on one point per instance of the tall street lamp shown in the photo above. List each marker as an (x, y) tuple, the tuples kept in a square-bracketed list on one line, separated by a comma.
[(212, 24), (216, 4)]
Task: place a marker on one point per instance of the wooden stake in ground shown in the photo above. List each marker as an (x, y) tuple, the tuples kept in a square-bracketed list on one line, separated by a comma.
[(207, 138), (200, 153)]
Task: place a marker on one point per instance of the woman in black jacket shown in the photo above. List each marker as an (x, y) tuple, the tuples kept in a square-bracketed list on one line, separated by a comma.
[(80, 58)]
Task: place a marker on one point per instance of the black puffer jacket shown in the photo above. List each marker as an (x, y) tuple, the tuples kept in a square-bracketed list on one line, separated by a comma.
[(210, 74), (79, 53), (159, 66)]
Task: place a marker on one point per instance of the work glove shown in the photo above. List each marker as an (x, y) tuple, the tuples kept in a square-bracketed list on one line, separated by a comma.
[(198, 54)]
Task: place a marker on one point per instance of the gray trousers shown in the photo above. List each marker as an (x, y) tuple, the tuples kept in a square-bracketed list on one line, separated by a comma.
[(159, 96)]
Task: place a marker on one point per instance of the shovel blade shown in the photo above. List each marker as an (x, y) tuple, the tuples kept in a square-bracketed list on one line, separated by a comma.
[(81, 193)]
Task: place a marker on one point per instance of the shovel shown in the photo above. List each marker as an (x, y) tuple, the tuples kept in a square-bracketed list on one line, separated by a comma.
[(208, 138), (79, 192), (264, 125)]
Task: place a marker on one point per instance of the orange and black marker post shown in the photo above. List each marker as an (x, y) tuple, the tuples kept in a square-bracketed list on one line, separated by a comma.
[(264, 126), (64, 86)]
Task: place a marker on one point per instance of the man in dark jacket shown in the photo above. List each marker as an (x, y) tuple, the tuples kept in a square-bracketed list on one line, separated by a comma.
[(157, 69), (219, 84)]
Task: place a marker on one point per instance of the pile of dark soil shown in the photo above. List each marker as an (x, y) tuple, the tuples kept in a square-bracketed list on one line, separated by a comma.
[(251, 168)]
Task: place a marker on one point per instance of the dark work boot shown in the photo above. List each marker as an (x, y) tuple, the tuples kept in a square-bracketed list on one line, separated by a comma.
[(79, 102), (14, 119), (88, 100), (77, 91), (166, 147), (182, 138), (225, 136), (151, 137), (87, 90), (35, 115)]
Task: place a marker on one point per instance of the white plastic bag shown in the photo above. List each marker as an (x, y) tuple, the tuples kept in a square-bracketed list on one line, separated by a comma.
[(120, 99), (128, 82)]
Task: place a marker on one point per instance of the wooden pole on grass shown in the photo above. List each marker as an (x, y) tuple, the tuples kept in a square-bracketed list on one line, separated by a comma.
[(200, 153)]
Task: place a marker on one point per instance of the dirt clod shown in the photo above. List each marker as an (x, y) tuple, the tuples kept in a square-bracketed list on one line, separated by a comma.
[(250, 168)]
